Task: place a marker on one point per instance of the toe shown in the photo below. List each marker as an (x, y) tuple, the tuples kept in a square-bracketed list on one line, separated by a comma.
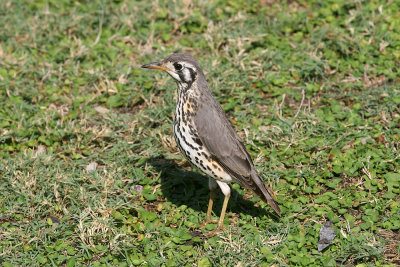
[(215, 231)]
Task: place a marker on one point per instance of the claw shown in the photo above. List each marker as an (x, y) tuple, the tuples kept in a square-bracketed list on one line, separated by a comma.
[(204, 224), (212, 233)]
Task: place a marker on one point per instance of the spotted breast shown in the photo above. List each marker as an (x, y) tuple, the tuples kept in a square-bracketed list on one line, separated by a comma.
[(189, 143)]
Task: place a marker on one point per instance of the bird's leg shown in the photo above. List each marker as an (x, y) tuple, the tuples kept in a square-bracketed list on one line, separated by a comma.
[(213, 186), (209, 210), (210, 205), (227, 192)]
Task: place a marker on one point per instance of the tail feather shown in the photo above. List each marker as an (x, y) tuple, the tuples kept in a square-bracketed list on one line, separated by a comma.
[(265, 193), (268, 199)]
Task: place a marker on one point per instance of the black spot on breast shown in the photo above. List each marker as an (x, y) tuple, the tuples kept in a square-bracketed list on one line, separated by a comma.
[(204, 154), (187, 153), (202, 165), (198, 141)]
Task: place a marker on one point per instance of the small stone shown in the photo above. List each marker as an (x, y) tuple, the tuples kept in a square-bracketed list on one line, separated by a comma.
[(91, 166), (365, 139), (138, 188)]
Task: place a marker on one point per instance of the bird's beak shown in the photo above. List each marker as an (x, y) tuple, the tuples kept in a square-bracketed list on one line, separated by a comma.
[(155, 65)]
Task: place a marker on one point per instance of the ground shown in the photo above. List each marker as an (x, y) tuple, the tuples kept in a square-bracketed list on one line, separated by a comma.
[(90, 173)]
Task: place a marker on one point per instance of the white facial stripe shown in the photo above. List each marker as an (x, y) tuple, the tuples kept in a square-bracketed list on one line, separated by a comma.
[(186, 74), (188, 65), (174, 75)]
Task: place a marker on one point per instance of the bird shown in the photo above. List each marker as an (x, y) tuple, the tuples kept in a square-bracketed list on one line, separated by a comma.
[(206, 137)]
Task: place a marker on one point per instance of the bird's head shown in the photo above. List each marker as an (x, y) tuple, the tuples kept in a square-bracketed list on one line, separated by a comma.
[(182, 67)]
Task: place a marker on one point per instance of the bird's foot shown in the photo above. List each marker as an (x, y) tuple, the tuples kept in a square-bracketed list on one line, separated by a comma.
[(204, 224), (220, 227)]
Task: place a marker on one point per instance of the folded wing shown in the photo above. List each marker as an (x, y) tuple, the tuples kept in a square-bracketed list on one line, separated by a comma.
[(218, 136)]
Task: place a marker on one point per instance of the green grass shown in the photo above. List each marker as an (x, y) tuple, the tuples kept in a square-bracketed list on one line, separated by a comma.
[(312, 87)]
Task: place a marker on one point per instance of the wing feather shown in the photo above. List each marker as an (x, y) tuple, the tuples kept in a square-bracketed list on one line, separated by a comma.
[(217, 134)]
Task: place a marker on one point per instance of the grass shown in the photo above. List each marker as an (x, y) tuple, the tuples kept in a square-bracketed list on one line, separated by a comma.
[(90, 173)]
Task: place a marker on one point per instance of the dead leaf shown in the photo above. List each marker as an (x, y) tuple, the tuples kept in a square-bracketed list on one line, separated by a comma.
[(326, 236), (101, 110), (91, 166)]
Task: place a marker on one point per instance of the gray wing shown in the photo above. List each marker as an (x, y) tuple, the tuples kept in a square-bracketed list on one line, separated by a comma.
[(218, 136)]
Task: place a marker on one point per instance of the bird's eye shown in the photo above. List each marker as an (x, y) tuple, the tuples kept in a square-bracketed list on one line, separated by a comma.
[(178, 66)]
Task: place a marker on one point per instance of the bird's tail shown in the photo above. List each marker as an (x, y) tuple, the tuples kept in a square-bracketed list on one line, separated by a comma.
[(265, 193)]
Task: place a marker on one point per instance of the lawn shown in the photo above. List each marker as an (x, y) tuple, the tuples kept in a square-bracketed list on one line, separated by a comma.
[(90, 173)]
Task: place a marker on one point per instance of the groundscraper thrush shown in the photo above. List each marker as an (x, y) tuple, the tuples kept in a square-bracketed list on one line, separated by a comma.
[(206, 137)]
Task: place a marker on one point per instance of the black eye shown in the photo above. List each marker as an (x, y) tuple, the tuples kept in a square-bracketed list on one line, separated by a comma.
[(178, 66)]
